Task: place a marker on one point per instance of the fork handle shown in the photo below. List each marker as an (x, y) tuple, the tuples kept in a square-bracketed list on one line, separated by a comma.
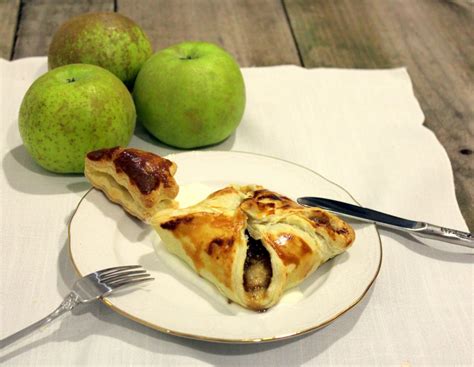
[(69, 302)]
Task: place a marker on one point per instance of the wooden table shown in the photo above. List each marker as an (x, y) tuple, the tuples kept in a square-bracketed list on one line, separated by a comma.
[(434, 39)]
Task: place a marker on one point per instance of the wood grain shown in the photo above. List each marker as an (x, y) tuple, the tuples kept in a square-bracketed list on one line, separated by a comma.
[(255, 32), (433, 39), (40, 18), (9, 10)]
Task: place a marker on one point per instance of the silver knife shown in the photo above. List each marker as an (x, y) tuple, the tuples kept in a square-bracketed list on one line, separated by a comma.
[(415, 228)]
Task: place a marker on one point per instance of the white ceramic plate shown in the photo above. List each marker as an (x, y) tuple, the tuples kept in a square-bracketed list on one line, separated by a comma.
[(179, 302)]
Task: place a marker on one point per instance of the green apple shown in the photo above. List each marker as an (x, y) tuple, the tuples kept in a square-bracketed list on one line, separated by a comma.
[(109, 40), (190, 95), (72, 110)]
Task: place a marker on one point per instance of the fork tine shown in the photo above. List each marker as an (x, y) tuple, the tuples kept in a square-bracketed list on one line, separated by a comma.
[(126, 279), (116, 269), (129, 282), (114, 276)]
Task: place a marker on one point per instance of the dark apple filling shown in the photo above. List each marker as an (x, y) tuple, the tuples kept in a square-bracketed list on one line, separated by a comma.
[(257, 267)]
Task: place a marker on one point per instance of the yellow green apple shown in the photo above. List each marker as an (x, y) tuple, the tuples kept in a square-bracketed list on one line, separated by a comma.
[(190, 95), (72, 110), (106, 39)]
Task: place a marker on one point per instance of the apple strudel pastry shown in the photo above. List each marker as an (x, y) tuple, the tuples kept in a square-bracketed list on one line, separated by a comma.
[(141, 182), (252, 243)]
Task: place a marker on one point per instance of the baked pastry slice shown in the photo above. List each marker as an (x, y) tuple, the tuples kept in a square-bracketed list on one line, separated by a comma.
[(251, 243), (141, 182)]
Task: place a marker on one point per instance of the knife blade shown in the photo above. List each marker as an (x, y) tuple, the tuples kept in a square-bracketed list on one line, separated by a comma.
[(415, 228)]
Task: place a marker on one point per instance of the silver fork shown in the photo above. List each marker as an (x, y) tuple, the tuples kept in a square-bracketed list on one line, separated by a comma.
[(87, 289)]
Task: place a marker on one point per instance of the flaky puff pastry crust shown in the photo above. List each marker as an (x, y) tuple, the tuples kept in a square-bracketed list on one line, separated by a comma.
[(211, 237), (141, 182)]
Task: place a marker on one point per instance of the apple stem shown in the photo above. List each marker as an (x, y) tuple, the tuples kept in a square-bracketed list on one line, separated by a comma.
[(72, 80)]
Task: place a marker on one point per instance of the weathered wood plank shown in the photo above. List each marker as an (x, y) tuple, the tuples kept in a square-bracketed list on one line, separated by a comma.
[(40, 18), (255, 32), (433, 39), (9, 10)]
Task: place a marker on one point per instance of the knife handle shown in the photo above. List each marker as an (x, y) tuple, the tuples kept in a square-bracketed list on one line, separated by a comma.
[(453, 236)]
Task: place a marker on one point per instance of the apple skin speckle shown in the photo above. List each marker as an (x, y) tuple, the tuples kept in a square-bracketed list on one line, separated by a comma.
[(106, 39), (61, 122)]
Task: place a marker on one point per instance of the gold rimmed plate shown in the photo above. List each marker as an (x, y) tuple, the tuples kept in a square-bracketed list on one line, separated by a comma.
[(178, 302)]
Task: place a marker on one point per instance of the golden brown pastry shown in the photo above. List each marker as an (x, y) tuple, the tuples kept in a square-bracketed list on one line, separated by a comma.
[(141, 182), (252, 243)]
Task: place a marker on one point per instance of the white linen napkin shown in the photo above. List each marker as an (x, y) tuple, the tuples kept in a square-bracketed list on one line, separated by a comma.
[(359, 128)]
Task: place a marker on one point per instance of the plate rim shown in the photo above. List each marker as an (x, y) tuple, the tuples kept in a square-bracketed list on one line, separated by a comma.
[(314, 328)]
